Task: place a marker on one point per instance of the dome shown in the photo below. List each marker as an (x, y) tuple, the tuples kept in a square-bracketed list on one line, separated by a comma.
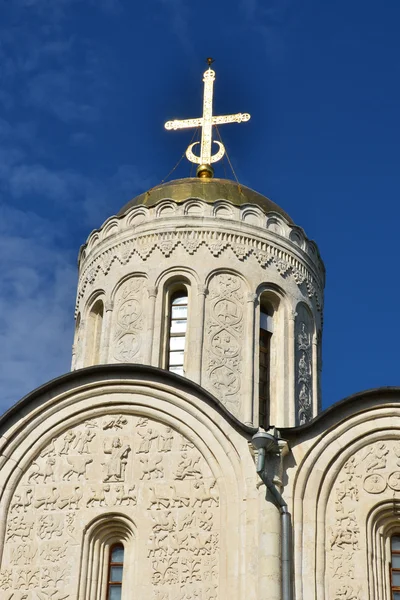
[(209, 190)]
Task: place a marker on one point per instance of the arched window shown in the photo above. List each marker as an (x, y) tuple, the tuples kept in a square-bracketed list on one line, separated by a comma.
[(115, 572), (264, 380), (395, 567), (94, 330), (178, 311), (107, 561)]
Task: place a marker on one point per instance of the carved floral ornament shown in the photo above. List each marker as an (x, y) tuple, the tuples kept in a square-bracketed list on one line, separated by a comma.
[(367, 479), (244, 247)]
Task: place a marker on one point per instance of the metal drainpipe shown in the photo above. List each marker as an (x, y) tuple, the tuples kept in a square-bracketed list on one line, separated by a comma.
[(286, 554)]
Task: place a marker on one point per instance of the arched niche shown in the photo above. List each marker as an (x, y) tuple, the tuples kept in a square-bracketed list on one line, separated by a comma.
[(305, 364), (129, 320), (345, 493), (141, 461)]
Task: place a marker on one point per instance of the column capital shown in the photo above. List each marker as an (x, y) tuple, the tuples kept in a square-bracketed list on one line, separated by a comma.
[(251, 297), (152, 291), (202, 290)]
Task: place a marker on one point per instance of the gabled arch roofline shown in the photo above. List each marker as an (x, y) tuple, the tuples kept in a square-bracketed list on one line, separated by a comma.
[(343, 409), (115, 372)]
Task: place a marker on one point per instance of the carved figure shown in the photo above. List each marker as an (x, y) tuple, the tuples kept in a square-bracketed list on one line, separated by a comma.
[(155, 545), (204, 495), (188, 468), (48, 501), (152, 467), (46, 472), (23, 554), (53, 551), (115, 467), (178, 501), (346, 533), (303, 338), (50, 525), (206, 519), (347, 592), (72, 500), (163, 522), (50, 450), (147, 440), (82, 443), (342, 565), (165, 440), (19, 527), (78, 466), (125, 498), (157, 501), (22, 500), (378, 459), (187, 520), (98, 496), (115, 423), (68, 439)]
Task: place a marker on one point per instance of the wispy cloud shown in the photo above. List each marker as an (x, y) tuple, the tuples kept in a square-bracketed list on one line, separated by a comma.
[(36, 303), (180, 13), (269, 19)]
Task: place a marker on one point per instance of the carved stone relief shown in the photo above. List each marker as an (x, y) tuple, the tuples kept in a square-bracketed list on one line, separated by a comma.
[(244, 247), (224, 338), (369, 476), (119, 463), (129, 321), (303, 358)]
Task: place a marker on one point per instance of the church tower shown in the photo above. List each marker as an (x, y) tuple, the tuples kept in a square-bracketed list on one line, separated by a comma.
[(212, 281)]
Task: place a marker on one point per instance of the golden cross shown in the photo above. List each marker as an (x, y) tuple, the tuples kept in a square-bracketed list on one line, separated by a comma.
[(206, 122)]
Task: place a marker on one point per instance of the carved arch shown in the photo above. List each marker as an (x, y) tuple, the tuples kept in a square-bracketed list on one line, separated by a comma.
[(343, 498), (224, 462)]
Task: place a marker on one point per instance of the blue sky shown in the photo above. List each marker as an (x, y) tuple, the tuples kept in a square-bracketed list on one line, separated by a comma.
[(85, 87)]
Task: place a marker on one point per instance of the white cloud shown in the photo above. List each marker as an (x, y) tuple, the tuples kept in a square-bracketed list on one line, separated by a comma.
[(37, 293)]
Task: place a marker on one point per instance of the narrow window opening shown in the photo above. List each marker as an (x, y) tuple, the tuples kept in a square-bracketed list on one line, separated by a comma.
[(177, 331), (395, 567), (266, 329), (115, 571)]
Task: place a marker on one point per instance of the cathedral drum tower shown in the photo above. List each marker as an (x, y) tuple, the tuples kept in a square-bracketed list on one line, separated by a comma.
[(211, 280)]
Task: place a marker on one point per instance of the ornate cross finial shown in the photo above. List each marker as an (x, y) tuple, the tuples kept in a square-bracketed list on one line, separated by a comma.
[(206, 122)]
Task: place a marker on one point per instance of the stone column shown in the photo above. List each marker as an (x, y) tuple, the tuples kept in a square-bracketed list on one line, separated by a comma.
[(106, 333), (249, 389), (202, 292), (314, 374), (290, 421), (77, 347), (152, 292)]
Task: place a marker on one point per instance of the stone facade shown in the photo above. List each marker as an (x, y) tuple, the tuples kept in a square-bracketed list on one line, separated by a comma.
[(121, 450)]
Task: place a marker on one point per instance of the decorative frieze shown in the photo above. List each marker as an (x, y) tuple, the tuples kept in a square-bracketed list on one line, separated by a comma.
[(129, 321), (304, 365), (125, 464), (141, 246), (223, 338)]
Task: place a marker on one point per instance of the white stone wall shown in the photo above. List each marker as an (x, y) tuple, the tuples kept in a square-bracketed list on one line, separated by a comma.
[(227, 257), (137, 461), (344, 493)]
